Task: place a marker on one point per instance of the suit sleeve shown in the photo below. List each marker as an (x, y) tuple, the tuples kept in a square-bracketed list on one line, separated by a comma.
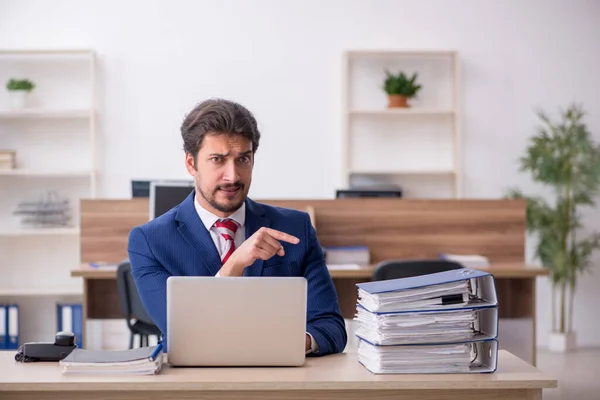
[(324, 319), (150, 278)]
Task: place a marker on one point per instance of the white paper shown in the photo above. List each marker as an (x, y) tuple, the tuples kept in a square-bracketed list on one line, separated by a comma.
[(455, 358), (415, 327), (343, 266)]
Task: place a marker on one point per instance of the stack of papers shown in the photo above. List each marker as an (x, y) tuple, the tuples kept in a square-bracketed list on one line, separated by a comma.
[(444, 322), (416, 327), (447, 295), (449, 358), (141, 361)]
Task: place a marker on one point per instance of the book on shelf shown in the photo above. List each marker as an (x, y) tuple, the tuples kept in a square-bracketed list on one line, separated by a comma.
[(347, 255), (467, 260)]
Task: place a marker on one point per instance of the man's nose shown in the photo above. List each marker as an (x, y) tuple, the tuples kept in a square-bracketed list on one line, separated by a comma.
[(230, 174)]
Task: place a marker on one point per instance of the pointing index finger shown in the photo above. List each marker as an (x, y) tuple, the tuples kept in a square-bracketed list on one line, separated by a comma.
[(282, 236)]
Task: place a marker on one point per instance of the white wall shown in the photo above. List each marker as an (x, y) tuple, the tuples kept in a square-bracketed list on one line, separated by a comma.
[(282, 60)]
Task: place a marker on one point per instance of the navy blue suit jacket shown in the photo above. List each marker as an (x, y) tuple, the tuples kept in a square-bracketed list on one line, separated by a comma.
[(178, 244)]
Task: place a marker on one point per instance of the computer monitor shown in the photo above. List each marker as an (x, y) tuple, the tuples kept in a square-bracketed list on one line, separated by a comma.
[(165, 195)]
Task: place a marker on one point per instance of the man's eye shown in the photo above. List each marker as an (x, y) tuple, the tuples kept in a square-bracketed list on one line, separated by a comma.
[(216, 159), (245, 159)]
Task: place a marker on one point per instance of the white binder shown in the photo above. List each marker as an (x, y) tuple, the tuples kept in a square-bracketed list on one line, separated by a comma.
[(13, 327)]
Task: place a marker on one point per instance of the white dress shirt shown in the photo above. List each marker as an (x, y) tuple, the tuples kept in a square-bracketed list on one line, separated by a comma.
[(239, 216)]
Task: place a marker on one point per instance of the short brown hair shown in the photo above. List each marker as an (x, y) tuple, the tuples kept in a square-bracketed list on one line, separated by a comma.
[(217, 116)]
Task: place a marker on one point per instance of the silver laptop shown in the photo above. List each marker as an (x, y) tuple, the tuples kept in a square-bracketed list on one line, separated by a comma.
[(236, 321)]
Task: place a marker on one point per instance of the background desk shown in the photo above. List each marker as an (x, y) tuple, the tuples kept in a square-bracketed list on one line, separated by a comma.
[(515, 284), (390, 228), (338, 376)]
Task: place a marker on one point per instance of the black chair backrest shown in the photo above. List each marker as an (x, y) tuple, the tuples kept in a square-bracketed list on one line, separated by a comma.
[(394, 269), (129, 298)]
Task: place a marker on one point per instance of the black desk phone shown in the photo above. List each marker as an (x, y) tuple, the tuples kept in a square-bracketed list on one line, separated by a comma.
[(64, 344)]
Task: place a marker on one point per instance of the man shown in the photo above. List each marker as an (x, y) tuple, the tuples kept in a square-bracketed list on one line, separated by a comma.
[(218, 231)]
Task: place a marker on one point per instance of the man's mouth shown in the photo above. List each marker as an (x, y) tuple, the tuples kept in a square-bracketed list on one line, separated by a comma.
[(230, 190)]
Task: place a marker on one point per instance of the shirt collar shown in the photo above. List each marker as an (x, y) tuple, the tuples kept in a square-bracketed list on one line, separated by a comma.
[(209, 219)]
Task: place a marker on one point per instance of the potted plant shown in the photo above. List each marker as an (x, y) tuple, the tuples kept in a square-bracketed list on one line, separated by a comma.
[(400, 88), (18, 90), (563, 157)]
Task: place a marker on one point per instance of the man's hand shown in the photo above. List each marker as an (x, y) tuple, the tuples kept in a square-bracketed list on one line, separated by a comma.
[(308, 343), (262, 245)]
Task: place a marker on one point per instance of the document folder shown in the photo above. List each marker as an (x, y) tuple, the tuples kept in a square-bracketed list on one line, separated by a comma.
[(458, 288), (146, 360), (3, 327), (444, 322), (69, 318), (452, 358), (427, 326), (13, 327)]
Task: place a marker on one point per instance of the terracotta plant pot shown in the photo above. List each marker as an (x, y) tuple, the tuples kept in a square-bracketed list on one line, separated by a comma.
[(397, 100)]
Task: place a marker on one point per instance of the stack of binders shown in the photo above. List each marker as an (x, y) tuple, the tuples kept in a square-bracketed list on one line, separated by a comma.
[(444, 322)]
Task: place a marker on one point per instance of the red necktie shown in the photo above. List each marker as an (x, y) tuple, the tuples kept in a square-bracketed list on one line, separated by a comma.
[(227, 228)]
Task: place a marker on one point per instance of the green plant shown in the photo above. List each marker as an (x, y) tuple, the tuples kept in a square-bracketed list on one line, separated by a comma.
[(20, 84), (401, 84), (562, 156)]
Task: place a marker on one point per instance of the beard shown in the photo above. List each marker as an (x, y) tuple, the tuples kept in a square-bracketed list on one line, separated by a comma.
[(226, 206)]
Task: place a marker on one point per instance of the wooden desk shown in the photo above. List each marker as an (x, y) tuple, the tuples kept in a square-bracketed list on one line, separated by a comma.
[(338, 376), (515, 284)]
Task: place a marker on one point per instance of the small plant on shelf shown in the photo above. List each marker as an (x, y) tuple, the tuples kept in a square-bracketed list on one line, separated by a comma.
[(20, 84), (18, 90), (400, 88)]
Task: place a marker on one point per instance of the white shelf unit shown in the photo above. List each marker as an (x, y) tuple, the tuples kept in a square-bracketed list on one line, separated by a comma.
[(55, 142), (417, 148), (40, 232), (44, 114)]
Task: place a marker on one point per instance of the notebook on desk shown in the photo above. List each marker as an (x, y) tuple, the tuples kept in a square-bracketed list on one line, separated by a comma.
[(141, 361)]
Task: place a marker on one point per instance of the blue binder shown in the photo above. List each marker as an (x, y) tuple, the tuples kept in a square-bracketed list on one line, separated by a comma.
[(69, 318), (78, 324), (3, 327), (485, 357), (421, 281), (482, 283), (485, 326), (13, 326)]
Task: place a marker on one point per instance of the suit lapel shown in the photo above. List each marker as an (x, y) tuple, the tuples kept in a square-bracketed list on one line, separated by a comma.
[(194, 232), (255, 219)]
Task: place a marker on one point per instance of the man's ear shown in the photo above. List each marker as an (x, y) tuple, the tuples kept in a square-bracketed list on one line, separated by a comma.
[(190, 163)]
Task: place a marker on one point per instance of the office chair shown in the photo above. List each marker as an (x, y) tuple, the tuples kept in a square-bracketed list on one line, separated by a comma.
[(394, 269), (132, 307)]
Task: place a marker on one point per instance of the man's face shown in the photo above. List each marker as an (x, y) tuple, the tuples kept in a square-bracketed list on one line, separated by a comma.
[(222, 172)]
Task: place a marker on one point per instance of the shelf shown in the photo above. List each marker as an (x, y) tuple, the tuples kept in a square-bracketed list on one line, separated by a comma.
[(55, 291), (400, 53), (31, 113), (46, 173), (45, 54), (40, 232), (403, 172), (403, 111)]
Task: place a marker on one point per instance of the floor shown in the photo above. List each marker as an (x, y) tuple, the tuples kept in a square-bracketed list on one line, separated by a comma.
[(578, 374)]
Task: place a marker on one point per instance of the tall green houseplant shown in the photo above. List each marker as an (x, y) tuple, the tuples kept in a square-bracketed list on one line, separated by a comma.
[(563, 156)]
